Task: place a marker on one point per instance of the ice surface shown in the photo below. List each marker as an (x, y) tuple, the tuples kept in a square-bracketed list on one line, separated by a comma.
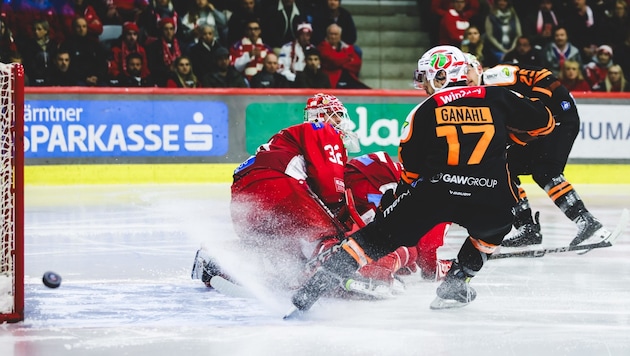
[(125, 253)]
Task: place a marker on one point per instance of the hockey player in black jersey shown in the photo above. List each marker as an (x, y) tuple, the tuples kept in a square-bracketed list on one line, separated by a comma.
[(453, 150), (544, 159)]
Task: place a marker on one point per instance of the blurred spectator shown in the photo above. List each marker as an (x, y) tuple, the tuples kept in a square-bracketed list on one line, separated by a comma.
[(201, 53), (149, 21), (614, 82), (280, 21), (237, 24), (247, 54), (121, 11), (560, 50), (28, 11), (312, 76), (618, 24), (89, 58), (474, 43), (596, 70), (622, 54), (269, 77), (129, 44), (333, 13), (133, 75), (182, 75), (8, 16), (540, 25), (585, 27), (204, 13), (571, 77), (225, 75), (39, 53), (161, 54), (339, 61), (292, 58), (453, 24), (524, 53), (7, 42), (74, 8), (435, 11), (502, 28), (16, 57), (62, 73)]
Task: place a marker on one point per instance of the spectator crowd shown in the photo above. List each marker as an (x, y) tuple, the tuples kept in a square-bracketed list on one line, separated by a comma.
[(586, 43), (296, 43), (182, 43)]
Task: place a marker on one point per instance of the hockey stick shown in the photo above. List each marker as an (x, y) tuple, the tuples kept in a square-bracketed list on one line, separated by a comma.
[(607, 242)]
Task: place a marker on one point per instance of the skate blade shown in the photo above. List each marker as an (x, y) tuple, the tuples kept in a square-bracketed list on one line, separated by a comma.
[(439, 304), (293, 313), (197, 269), (599, 236), (368, 289)]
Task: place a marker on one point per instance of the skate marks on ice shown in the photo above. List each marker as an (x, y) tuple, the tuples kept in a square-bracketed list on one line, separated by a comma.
[(125, 255)]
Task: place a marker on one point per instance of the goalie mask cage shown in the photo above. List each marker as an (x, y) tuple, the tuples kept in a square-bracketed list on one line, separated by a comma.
[(12, 171)]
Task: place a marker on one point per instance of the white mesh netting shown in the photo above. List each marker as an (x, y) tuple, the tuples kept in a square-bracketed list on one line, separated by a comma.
[(7, 248)]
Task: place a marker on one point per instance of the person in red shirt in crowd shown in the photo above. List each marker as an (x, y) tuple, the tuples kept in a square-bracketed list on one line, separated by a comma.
[(162, 52), (596, 70), (453, 24), (571, 77), (248, 54), (129, 44), (74, 8), (340, 61), (432, 13), (121, 11)]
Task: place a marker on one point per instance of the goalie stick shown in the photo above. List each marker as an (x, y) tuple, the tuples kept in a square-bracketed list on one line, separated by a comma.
[(607, 242)]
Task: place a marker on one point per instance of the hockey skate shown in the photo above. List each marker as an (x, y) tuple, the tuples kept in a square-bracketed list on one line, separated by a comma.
[(589, 228), (372, 288), (527, 233), (204, 268), (455, 291)]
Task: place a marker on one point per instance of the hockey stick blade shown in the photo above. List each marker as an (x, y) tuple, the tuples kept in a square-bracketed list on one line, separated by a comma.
[(230, 289), (607, 242)]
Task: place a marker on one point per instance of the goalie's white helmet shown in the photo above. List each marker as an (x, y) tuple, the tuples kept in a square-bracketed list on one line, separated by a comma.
[(326, 108), (442, 63)]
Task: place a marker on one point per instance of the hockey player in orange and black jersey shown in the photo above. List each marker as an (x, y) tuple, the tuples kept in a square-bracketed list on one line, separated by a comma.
[(546, 158), (368, 178), (455, 170)]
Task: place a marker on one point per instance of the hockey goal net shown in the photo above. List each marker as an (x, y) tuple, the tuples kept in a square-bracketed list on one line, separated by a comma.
[(12, 187)]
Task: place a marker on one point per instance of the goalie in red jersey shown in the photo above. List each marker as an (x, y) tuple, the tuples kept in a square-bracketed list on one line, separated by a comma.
[(286, 197)]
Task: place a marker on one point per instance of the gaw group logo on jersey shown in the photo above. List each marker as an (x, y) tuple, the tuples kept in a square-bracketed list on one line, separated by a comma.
[(94, 128)]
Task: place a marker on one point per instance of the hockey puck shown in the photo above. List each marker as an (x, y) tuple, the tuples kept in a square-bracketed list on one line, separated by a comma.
[(51, 280)]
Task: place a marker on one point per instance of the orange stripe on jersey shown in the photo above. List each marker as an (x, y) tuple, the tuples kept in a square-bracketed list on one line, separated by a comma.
[(509, 178), (409, 177), (559, 190), (354, 250), (521, 193), (551, 124), (542, 90), (516, 140), (483, 246), (541, 74)]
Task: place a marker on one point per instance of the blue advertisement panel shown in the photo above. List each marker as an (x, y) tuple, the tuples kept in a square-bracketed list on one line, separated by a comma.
[(99, 128)]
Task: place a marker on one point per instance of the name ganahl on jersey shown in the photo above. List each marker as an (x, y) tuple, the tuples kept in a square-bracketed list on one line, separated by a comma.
[(465, 180)]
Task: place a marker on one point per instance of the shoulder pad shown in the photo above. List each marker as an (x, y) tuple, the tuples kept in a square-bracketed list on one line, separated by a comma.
[(500, 75)]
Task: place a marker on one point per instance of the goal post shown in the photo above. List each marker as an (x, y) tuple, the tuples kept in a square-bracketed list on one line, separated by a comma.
[(12, 187)]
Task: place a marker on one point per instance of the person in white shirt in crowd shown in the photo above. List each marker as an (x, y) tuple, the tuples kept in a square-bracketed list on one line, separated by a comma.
[(292, 57)]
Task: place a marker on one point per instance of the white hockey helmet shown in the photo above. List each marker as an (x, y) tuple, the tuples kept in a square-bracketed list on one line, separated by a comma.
[(326, 108), (443, 63)]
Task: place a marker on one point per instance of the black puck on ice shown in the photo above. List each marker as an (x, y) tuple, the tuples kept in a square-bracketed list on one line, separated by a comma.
[(51, 280)]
